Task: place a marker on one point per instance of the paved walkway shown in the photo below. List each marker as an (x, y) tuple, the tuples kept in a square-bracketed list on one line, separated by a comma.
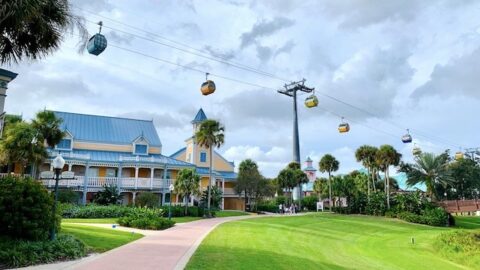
[(169, 249)]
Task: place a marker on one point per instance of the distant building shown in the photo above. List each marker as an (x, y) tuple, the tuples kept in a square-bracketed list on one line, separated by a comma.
[(5, 77)]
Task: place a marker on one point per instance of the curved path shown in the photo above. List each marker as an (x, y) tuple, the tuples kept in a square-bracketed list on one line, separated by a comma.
[(169, 249)]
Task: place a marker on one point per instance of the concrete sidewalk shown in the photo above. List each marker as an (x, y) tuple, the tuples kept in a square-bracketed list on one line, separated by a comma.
[(169, 249)]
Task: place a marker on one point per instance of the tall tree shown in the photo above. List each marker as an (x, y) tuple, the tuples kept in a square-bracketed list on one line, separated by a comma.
[(187, 184), (286, 180), (387, 156), (19, 146), (32, 29), (210, 135), (320, 186), (366, 155), (248, 174), (428, 169), (329, 164), (48, 127)]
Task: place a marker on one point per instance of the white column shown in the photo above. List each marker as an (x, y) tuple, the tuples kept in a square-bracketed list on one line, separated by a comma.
[(133, 197), (151, 177), (136, 176), (223, 193), (70, 167)]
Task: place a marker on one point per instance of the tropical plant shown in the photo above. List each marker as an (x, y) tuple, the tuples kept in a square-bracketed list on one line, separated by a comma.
[(329, 164), (109, 195), (32, 29), (291, 177), (187, 184), (210, 135), (428, 169), (320, 186), (466, 185), (248, 174), (147, 199), (19, 146), (48, 127), (215, 197), (385, 157), (366, 155)]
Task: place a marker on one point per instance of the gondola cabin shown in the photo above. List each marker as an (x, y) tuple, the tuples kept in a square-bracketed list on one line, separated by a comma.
[(208, 87), (407, 138), (97, 44), (343, 128), (311, 101), (416, 151), (458, 156)]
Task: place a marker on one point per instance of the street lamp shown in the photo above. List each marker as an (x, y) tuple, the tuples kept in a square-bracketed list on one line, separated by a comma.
[(58, 163), (171, 188)]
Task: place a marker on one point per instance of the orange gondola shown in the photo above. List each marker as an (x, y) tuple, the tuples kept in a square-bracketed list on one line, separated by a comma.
[(208, 87)]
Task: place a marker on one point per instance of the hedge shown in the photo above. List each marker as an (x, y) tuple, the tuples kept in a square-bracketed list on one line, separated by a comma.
[(146, 218)]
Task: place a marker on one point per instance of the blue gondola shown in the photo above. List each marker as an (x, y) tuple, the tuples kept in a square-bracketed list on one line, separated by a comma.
[(97, 43), (407, 138)]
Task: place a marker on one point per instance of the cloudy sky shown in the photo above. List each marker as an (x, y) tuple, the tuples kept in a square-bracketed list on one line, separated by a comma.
[(402, 64)]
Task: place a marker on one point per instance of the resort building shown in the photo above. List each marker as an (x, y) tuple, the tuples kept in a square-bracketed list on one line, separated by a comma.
[(103, 150)]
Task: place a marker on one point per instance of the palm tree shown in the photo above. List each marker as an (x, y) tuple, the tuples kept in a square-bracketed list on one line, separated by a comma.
[(210, 135), (187, 184), (247, 175), (387, 156), (286, 180), (48, 127), (32, 29), (319, 186), (428, 169), (366, 154), (329, 164)]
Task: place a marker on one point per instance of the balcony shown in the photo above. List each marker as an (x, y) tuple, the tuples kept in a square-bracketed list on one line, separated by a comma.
[(124, 183)]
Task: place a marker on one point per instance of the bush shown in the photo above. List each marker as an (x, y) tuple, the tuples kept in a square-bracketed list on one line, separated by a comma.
[(179, 211), (268, 206), (68, 196), (145, 218), (147, 199), (18, 253), (280, 200), (95, 211), (433, 217), (310, 202), (409, 202), (26, 209), (110, 195), (376, 205)]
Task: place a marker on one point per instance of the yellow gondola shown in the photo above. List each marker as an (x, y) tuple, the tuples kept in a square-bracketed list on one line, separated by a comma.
[(311, 101), (208, 87), (416, 150), (343, 127), (458, 155)]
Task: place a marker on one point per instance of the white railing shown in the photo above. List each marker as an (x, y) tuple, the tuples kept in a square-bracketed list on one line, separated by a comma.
[(69, 155), (2, 175), (141, 159), (121, 182)]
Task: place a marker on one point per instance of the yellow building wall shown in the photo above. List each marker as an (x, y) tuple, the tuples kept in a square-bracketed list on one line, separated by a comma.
[(111, 147), (144, 173), (219, 163), (229, 184), (17, 168), (102, 172), (234, 204)]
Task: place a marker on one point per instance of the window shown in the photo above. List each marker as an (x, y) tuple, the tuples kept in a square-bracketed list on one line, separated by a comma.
[(65, 144), (111, 172), (203, 157), (141, 149), (93, 172)]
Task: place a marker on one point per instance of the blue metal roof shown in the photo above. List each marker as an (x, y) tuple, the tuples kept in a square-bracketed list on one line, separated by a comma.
[(110, 156), (178, 152), (200, 117), (310, 168), (106, 129), (307, 187), (223, 174)]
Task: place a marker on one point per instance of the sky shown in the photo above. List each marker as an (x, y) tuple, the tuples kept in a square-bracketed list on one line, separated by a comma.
[(401, 64)]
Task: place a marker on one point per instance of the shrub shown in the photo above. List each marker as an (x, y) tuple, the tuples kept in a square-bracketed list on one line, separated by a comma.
[(268, 206), (280, 200), (377, 204), (95, 211), (310, 202), (432, 217), (147, 199), (110, 195), (68, 196), (25, 209), (145, 218), (409, 202), (18, 253)]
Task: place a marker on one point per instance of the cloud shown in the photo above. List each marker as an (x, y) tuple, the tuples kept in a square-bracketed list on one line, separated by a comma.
[(160, 120), (119, 38), (459, 76), (264, 28), (286, 48), (269, 160), (225, 55)]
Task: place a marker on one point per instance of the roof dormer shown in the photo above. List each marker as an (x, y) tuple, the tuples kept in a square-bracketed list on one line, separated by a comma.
[(140, 146), (66, 144)]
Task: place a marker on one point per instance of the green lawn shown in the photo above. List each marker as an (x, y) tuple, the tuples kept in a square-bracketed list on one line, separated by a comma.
[(228, 213), (466, 222), (321, 241), (114, 220), (99, 239)]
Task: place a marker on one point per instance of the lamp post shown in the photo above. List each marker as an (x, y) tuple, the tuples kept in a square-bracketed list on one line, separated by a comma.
[(58, 164), (171, 188)]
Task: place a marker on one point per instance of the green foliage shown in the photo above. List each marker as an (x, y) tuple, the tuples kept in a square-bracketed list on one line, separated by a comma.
[(465, 174), (19, 253), (310, 202), (187, 184), (280, 200), (25, 209), (146, 218), (268, 206), (68, 196), (95, 211), (409, 202), (215, 199), (461, 246), (429, 216), (376, 205), (48, 127), (179, 211), (147, 199), (109, 195)]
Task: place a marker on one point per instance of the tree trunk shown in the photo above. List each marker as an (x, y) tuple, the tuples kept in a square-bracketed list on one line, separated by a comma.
[(374, 172), (368, 184), (187, 196), (330, 191), (210, 180), (387, 179), (246, 199)]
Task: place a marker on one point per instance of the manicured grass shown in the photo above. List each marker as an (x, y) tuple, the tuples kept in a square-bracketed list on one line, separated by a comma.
[(231, 213), (99, 239), (321, 241), (91, 220), (466, 222)]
